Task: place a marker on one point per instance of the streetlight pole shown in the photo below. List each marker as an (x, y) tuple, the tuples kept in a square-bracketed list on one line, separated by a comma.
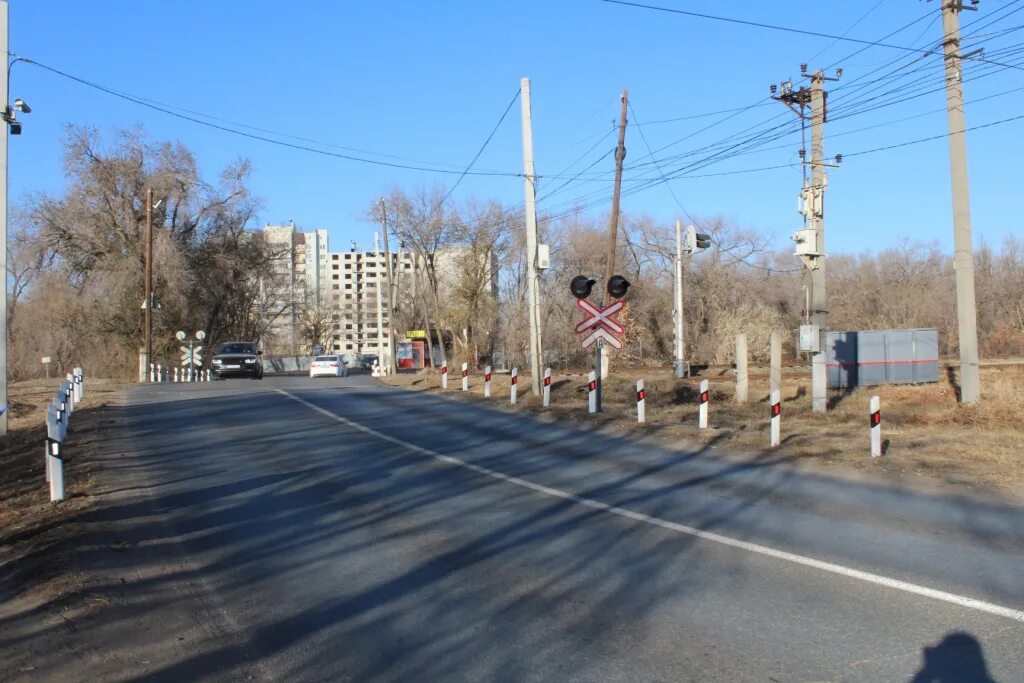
[(4, 88)]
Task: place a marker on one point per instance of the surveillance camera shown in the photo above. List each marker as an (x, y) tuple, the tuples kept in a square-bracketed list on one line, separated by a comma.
[(20, 105)]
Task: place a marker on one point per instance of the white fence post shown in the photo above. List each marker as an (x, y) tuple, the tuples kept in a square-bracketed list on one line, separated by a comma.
[(641, 401), (776, 417), (704, 396), (547, 387), (592, 392), (514, 387), (875, 409), (487, 381), (444, 376), (465, 376)]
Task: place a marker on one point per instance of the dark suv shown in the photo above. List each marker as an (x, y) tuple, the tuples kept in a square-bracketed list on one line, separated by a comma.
[(241, 359)]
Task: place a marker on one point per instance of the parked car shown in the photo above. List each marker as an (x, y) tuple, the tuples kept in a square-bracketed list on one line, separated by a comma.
[(328, 366), (237, 359)]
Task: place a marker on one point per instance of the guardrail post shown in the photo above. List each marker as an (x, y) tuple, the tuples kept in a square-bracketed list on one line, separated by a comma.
[(875, 420), (547, 387), (776, 402), (641, 402), (705, 395), (592, 392), (514, 390)]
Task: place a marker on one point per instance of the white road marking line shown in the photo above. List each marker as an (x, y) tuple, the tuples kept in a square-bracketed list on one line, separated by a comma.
[(849, 572)]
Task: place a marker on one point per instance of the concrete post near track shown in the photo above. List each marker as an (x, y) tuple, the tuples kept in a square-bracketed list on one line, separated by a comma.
[(704, 397), (592, 392), (776, 428), (742, 388), (775, 369), (875, 421), (641, 402)]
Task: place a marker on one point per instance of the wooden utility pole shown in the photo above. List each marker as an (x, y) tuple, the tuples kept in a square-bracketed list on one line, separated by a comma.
[(148, 313), (613, 238), (392, 366), (963, 260)]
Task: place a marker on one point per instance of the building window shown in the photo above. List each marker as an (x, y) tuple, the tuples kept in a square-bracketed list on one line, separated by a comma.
[(334, 277), (334, 286)]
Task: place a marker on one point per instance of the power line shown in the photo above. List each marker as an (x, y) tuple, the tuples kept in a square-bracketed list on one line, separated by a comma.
[(262, 138), (852, 26), (773, 27), (484, 146)]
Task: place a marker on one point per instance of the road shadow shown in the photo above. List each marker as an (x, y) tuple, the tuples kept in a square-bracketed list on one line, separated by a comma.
[(957, 658)]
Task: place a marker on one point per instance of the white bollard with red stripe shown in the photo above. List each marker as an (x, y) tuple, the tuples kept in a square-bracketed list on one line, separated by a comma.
[(776, 402), (444, 376), (465, 376), (875, 420), (641, 402), (487, 381), (547, 388), (592, 392), (514, 386), (704, 396)]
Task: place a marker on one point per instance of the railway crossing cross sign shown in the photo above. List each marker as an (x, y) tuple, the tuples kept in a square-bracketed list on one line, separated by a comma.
[(190, 355), (600, 323)]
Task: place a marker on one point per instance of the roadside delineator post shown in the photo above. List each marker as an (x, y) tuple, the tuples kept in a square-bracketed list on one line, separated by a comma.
[(776, 417), (514, 386), (152, 373), (175, 374), (547, 388), (704, 396), (641, 401), (592, 392), (159, 373), (444, 376), (54, 458), (465, 376), (487, 381), (874, 407)]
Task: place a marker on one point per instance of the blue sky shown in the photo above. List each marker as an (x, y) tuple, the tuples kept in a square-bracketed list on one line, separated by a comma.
[(428, 81)]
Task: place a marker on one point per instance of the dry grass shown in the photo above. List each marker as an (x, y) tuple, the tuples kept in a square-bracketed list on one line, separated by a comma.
[(30, 525), (925, 430)]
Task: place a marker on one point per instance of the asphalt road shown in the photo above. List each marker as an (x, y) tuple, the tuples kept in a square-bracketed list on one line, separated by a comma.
[(298, 530)]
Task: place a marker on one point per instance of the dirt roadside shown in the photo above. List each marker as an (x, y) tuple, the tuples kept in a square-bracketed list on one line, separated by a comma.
[(931, 442)]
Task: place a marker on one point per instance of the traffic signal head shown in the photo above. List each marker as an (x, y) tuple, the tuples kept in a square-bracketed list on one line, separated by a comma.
[(581, 286), (696, 240), (617, 286)]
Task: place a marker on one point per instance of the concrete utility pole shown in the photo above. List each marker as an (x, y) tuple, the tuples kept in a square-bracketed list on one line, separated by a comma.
[(680, 321), (392, 364), (148, 314), (380, 310), (613, 238), (813, 255), (3, 221), (532, 284), (963, 260)]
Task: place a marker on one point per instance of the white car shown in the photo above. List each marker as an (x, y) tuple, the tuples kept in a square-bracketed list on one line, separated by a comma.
[(328, 366)]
